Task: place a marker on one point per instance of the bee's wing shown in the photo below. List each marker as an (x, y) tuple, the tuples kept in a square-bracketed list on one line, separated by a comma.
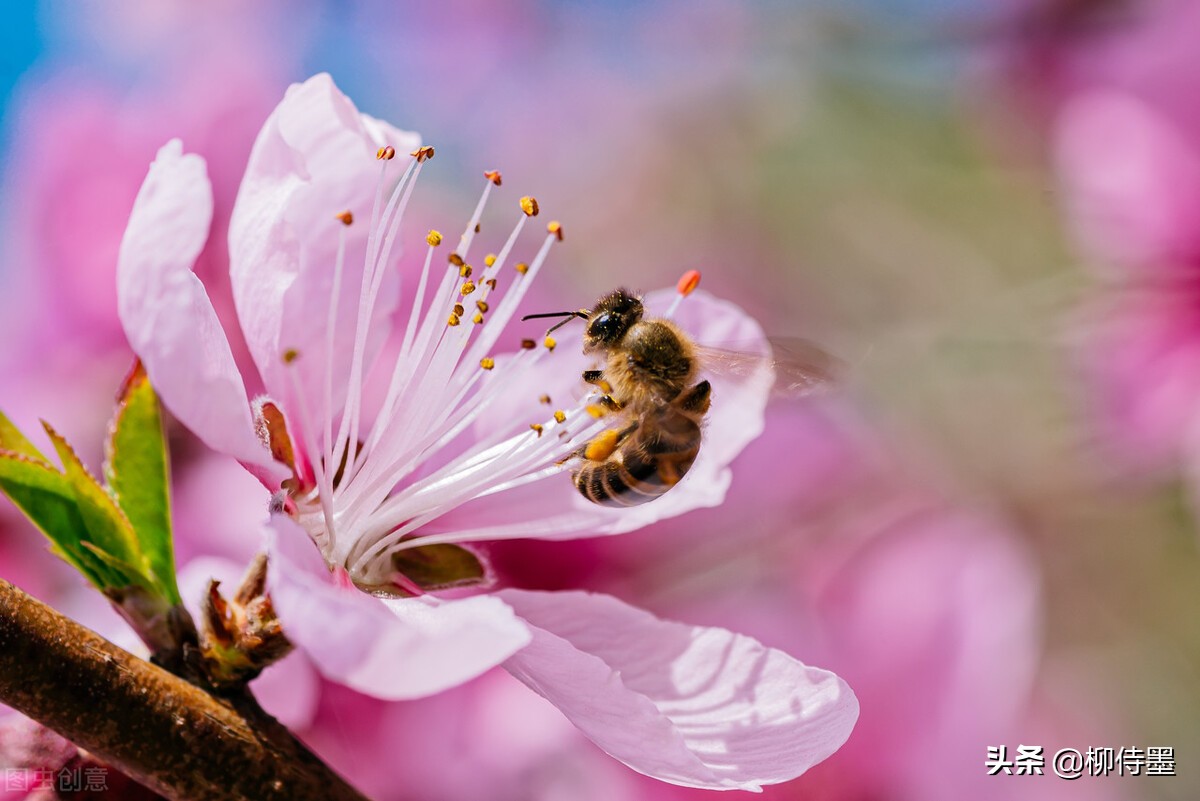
[(801, 367)]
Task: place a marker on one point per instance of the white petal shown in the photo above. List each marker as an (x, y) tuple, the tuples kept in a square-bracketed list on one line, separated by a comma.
[(694, 706)]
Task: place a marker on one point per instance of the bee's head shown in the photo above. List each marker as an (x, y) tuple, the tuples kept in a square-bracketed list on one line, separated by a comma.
[(611, 318)]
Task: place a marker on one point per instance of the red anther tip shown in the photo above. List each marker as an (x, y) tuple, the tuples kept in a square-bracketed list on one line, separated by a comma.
[(688, 282)]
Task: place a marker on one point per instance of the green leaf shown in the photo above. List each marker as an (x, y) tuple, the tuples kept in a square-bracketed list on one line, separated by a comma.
[(107, 527), (440, 566), (131, 575), (136, 468), (11, 439), (47, 498)]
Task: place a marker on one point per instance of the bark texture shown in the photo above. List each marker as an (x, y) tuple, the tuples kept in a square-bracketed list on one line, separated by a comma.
[(154, 726)]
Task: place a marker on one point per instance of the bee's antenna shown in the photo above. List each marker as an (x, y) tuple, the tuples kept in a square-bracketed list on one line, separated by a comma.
[(580, 313), (570, 315)]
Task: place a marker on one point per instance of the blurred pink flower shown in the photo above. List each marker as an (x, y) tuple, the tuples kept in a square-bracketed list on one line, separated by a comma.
[(1119, 96), (80, 155), (1133, 190), (1132, 180), (693, 706), (80, 147)]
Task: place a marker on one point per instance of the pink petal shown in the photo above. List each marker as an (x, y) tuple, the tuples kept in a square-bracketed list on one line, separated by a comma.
[(945, 605), (167, 315), (1139, 355), (694, 706), (313, 159), (553, 509), (1133, 182), (392, 648)]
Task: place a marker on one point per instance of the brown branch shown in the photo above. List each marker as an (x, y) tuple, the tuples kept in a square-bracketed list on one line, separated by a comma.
[(168, 734)]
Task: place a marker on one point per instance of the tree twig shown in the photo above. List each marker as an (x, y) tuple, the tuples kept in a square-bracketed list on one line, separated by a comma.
[(168, 734)]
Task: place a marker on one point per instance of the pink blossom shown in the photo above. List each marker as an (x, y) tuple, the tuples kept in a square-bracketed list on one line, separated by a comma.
[(1132, 177), (453, 447), (1133, 192), (1118, 91)]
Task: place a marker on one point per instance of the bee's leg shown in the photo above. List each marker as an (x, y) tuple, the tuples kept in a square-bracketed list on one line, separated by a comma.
[(603, 405), (596, 379), (697, 399)]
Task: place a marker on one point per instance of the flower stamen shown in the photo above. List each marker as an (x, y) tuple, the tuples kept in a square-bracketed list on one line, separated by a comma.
[(320, 473), (377, 268), (443, 377), (330, 327), (686, 285)]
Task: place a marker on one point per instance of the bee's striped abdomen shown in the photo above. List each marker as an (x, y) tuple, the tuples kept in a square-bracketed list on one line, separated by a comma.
[(646, 464)]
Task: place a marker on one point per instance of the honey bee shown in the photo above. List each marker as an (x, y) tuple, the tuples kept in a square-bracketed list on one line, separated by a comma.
[(649, 385)]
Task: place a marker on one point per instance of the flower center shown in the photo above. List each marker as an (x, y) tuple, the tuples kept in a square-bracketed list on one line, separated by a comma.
[(364, 490)]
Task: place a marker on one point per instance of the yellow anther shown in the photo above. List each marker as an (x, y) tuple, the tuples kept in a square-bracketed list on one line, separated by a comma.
[(455, 259), (290, 355), (522, 267), (549, 342), (468, 287), (386, 153), (346, 217), (493, 176), (434, 238), (465, 271), (555, 228), (489, 259), (481, 305), (537, 427), (596, 410), (423, 153), (459, 310), (453, 320), (560, 416), (529, 206), (487, 363), (528, 344), (478, 319)]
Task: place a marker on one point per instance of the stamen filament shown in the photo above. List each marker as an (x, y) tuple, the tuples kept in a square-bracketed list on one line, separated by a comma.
[(379, 269), (330, 327), (321, 475), (418, 374), (395, 384), (469, 476), (342, 443)]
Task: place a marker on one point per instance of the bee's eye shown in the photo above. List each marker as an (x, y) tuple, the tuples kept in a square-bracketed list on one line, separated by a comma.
[(604, 327)]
